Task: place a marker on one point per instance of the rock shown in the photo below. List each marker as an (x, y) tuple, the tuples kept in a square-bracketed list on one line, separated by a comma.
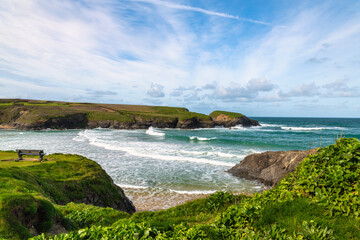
[(230, 119), (269, 167), (195, 122)]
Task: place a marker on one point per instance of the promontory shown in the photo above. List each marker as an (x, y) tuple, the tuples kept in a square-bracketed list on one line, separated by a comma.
[(37, 115)]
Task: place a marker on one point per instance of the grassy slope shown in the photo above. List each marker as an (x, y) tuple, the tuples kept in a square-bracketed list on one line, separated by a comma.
[(29, 187), (320, 200), (215, 114), (44, 110)]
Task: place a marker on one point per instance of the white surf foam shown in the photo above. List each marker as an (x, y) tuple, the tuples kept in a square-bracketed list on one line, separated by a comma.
[(212, 154), (147, 154), (311, 128), (303, 128), (241, 127), (270, 125), (201, 138), (153, 132), (80, 137), (130, 186), (193, 192)]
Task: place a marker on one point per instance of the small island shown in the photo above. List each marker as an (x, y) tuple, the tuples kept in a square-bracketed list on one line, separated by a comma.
[(37, 115)]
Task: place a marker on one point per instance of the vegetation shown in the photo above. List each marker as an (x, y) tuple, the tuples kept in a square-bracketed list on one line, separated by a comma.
[(30, 191), (215, 114), (319, 200)]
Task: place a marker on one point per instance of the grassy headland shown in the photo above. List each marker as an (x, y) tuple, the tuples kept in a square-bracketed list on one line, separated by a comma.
[(319, 200), (35, 114), (30, 191)]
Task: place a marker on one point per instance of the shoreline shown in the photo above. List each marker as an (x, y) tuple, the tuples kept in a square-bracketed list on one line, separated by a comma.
[(157, 201)]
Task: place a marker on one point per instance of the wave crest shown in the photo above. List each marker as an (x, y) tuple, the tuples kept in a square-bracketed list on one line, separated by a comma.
[(151, 131), (201, 138)]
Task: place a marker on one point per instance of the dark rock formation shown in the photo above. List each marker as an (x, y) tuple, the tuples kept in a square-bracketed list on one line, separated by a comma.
[(195, 122), (72, 121), (226, 121), (269, 167)]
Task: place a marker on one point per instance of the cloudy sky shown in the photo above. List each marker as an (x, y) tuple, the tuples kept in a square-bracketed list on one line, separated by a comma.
[(257, 57)]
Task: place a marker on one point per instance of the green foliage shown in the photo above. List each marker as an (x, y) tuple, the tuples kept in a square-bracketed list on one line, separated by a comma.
[(215, 114), (29, 190), (45, 212), (83, 215), (19, 212), (330, 178), (121, 231)]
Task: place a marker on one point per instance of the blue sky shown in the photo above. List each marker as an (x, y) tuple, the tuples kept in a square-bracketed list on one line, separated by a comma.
[(260, 58)]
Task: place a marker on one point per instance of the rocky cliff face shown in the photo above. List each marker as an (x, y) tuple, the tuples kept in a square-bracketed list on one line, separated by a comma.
[(269, 167), (227, 121)]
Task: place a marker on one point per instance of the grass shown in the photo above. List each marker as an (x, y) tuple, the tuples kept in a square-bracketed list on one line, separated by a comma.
[(215, 114), (60, 179), (112, 116), (291, 214), (83, 215)]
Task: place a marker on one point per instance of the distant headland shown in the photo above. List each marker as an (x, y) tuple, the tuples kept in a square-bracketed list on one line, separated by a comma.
[(37, 115)]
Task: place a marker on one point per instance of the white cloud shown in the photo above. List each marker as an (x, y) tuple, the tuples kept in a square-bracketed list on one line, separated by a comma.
[(303, 90), (201, 10), (156, 91), (260, 84)]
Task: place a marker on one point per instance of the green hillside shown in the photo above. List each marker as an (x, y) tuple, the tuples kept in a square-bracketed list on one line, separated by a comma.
[(215, 114), (30, 191)]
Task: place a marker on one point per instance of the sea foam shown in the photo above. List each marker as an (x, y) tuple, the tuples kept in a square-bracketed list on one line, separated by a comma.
[(151, 131), (201, 138)]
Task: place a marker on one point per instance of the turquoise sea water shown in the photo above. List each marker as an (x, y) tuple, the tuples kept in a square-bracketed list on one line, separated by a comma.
[(163, 167)]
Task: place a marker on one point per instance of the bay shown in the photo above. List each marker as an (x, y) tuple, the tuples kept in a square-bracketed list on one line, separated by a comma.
[(160, 168)]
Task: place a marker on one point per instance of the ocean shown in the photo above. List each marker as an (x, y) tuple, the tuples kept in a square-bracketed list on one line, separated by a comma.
[(160, 168)]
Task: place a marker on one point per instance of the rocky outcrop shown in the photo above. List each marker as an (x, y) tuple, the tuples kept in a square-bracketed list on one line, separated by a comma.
[(226, 121), (269, 167), (71, 121), (232, 119), (136, 124), (195, 122)]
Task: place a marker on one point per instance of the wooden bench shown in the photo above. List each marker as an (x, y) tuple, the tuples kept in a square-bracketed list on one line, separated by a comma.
[(22, 152)]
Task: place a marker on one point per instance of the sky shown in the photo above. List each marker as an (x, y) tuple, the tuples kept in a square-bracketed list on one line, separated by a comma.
[(284, 58)]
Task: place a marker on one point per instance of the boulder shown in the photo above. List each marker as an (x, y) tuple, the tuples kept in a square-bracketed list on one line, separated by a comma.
[(269, 167)]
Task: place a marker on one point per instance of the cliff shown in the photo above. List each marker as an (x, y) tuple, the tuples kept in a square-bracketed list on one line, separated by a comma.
[(36, 115), (30, 192)]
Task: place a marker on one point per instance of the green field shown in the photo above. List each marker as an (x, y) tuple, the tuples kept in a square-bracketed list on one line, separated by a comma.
[(215, 114), (30, 191)]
